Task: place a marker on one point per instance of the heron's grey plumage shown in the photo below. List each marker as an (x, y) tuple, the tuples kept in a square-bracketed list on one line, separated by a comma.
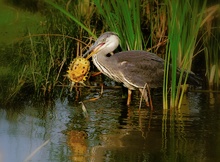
[(140, 67)]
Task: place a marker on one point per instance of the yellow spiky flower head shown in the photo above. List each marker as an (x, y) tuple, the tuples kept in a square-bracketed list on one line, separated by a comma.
[(78, 70)]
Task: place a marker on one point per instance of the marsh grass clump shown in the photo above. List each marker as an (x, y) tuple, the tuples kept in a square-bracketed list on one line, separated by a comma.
[(35, 67), (184, 22), (37, 62)]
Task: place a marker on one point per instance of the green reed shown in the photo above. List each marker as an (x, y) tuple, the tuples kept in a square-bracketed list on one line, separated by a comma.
[(184, 21), (123, 17)]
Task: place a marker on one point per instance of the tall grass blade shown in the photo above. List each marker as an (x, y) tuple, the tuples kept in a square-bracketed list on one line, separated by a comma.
[(184, 21)]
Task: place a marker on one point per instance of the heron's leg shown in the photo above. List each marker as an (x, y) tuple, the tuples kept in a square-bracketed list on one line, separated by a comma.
[(144, 94), (129, 97)]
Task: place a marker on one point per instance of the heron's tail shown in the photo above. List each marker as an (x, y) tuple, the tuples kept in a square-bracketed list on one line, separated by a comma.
[(193, 79)]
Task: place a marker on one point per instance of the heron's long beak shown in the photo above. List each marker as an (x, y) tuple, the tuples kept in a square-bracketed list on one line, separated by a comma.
[(90, 55), (93, 50)]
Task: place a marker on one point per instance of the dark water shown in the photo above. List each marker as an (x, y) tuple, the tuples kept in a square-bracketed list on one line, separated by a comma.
[(112, 131)]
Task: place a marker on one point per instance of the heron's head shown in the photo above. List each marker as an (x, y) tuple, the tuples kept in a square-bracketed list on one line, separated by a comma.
[(105, 44)]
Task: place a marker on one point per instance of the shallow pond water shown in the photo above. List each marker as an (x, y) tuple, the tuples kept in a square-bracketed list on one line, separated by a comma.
[(58, 131)]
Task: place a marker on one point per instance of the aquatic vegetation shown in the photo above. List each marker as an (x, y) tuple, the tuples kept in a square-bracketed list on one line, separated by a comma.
[(39, 61)]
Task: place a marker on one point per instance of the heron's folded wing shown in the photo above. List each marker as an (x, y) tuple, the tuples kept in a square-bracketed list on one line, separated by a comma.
[(139, 71)]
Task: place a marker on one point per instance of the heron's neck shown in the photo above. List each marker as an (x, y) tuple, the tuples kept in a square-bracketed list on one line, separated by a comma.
[(105, 65), (101, 56), (101, 61)]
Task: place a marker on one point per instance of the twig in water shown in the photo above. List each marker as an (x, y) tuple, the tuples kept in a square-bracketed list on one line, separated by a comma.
[(85, 113), (35, 151)]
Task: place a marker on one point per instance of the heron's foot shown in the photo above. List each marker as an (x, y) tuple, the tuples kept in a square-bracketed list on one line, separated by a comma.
[(93, 99), (149, 102), (96, 98), (145, 95)]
